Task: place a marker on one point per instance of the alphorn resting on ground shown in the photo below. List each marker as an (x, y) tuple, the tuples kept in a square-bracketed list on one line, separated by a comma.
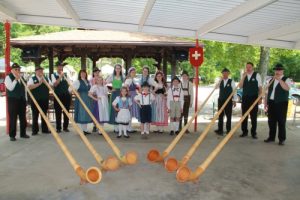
[(184, 174), (154, 155), (171, 164), (111, 163), (130, 157), (93, 174)]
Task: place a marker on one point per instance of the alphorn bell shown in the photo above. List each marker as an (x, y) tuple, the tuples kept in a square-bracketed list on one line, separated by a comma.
[(111, 163), (171, 164), (92, 175), (184, 174), (154, 155), (129, 158)]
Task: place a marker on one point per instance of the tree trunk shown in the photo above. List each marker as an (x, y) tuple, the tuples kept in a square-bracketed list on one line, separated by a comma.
[(264, 62)]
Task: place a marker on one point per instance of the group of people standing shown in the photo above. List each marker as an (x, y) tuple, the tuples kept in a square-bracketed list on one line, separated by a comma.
[(150, 100)]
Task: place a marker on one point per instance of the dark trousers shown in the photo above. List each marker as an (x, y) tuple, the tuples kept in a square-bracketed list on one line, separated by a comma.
[(185, 113), (246, 104), (66, 101), (277, 116), (16, 107), (228, 112), (44, 104)]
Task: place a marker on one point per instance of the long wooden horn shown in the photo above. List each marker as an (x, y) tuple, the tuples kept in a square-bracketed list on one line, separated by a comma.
[(92, 175), (111, 163), (129, 158), (171, 164), (154, 155), (185, 174)]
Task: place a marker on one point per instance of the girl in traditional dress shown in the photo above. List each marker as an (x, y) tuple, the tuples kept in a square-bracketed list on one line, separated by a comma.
[(122, 105), (159, 106), (82, 86), (146, 77), (116, 80), (175, 104), (99, 93), (132, 87), (95, 75), (145, 100)]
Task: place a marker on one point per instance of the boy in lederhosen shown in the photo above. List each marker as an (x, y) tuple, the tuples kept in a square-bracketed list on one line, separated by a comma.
[(175, 105), (188, 95)]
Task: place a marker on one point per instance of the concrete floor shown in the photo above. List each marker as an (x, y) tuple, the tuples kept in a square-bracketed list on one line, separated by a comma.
[(36, 169)]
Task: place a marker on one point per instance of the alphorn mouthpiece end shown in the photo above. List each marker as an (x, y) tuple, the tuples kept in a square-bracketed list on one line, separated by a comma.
[(93, 175), (171, 164)]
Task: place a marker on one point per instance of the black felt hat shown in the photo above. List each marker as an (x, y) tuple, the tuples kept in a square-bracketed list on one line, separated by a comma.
[(15, 66), (278, 67), (225, 70)]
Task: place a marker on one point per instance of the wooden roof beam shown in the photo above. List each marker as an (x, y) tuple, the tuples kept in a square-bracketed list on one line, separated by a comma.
[(147, 11), (7, 14), (234, 14), (67, 7)]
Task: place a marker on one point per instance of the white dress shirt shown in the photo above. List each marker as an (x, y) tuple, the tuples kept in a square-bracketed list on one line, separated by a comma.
[(10, 85), (177, 92), (144, 99)]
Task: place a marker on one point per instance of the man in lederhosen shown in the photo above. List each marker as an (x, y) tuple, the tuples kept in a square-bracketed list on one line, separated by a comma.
[(188, 92), (226, 87), (41, 93), (61, 90), (16, 99), (276, 104), (252, 87)]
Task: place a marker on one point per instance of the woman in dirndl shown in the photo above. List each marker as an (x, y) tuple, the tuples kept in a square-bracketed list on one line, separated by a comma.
[(116, 79), (159, 106), (132, 86), (81, 116)]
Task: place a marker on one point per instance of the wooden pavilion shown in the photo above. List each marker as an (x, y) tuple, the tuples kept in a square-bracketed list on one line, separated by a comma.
[(98, 44)]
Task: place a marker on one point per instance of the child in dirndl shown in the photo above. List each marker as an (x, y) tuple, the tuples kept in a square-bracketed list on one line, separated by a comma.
[(122, 105), (145, 100), (175, 103)]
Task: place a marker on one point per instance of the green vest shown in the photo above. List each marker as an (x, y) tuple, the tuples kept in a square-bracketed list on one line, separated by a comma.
[(224, 92), (62, 87), (19, 91), (280, 95), (250, 88), (41, 92)]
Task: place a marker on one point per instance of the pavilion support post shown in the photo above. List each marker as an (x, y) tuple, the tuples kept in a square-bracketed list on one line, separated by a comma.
[(159, 61), (94, 62), (50, 59), (37, 61), (83, 59), (7, 65), (128, 62), (165, 63), (173, 65)]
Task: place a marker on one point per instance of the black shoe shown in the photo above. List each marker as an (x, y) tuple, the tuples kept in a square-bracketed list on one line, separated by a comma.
[(254, 136), (46, 132), (269, 140), (176, 132), (126, 136), (155, 131), (244, 135), (66, 130), (172, 133), (160, 132), (116, 131), (35, 133), (86, 133), (132, 131), (13, 139), (281, 143), (94, 129), (58, 130), (219, 132), (25, 136), (187, 131), (119, 136)]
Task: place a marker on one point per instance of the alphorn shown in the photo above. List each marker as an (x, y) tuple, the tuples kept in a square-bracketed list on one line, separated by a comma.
[(154, 155), (171, 164), (184, 174), (129, 158), (93, 174), (111, 163)]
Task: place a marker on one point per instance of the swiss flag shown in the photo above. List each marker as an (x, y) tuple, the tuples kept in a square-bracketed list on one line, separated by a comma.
[(196, 56)]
